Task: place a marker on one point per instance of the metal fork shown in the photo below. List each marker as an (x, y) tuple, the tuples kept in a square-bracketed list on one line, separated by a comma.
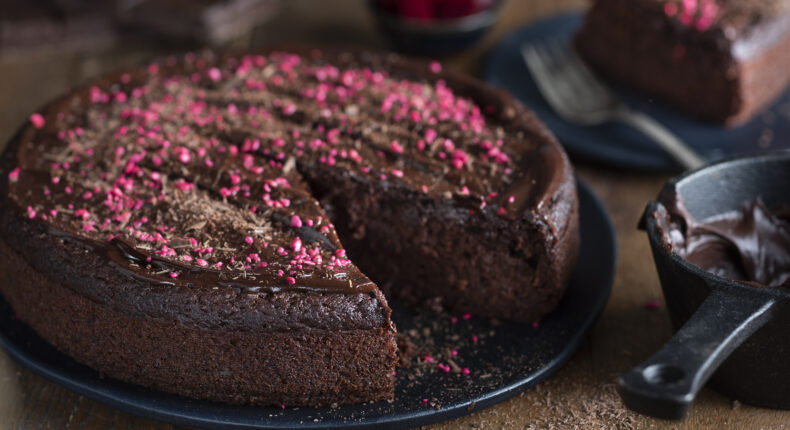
[(578, 97)]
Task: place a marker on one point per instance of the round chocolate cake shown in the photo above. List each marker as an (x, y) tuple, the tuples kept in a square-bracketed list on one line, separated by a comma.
[(227, 227)]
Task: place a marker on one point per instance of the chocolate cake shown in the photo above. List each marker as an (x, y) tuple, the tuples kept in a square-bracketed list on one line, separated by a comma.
[(191, 225), (718, 60)]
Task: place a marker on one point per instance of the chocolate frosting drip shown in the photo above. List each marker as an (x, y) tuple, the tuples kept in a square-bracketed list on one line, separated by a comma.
[(750, 244), (189, 171)]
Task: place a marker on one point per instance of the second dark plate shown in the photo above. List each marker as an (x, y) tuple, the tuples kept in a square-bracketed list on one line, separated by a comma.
[(621, 145)]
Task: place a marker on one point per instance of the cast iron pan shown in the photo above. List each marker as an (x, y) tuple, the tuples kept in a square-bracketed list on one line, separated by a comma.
[(735, 334)]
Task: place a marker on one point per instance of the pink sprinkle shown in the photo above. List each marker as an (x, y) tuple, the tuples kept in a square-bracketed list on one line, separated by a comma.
[(214, 74), (453, 353), (397, 173), (396, 147), (652, 304), (296, 222), (670, 9), (686, 18), (465, 371), (201, 262), (37, 120), (289, 109), (466, 316), (290, 280), (511, 199), (425, 400), (453, 320), (474, 338), (430, 135), (14, 175), (248, 239), (296, 245), (534, 324), (173, 275), (435, 66), (428, 359), (183, 156)]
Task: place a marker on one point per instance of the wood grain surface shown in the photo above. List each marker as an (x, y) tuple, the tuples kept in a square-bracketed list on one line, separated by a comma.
[(581, 395)]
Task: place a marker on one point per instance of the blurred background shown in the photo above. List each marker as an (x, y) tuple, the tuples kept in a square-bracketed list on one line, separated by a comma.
[(49, 46)]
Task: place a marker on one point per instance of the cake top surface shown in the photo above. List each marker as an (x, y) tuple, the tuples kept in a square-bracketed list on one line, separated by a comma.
[(734, 17), (188, 170)]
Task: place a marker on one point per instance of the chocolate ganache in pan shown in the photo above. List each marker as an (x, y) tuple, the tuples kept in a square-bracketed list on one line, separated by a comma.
[(750, 244)]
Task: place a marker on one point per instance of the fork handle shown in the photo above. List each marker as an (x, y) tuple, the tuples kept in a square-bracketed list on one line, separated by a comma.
[(687, 157)]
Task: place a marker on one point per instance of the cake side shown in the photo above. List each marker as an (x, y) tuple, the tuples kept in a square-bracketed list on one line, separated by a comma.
[(304, 367), (691, 57)]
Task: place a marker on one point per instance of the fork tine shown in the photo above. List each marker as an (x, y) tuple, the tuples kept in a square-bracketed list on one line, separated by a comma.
[(538, 65), (558, 69)]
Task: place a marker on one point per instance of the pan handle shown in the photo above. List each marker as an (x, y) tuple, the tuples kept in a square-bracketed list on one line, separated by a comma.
[(665, 385)]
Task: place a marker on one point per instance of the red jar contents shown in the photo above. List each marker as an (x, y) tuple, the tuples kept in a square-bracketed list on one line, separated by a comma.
[(435, 9)]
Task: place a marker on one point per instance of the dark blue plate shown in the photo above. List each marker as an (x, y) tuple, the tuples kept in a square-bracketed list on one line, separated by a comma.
[(507, 359), (617, 144)]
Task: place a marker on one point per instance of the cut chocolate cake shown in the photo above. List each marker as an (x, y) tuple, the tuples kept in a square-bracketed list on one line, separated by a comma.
[(185, 226), (718, 60)]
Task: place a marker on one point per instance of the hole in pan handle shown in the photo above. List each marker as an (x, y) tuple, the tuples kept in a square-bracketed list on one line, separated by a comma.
[(665, 385)]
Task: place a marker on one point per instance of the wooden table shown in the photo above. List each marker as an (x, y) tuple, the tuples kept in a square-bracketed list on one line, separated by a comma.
[(581, 395)]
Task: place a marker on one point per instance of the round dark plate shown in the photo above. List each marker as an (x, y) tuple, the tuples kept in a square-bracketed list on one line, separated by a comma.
[(507, 358), (617, 144)]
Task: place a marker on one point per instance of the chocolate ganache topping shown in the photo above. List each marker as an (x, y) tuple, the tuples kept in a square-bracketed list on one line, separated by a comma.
[(187, 172), (751, 244)]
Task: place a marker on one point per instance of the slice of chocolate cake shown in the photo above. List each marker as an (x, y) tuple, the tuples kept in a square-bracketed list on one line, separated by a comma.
[(182, 226), (718, 60)]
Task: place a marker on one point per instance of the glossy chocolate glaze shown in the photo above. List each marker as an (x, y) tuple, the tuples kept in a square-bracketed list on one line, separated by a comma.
[(751, 244), (201, 139)]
